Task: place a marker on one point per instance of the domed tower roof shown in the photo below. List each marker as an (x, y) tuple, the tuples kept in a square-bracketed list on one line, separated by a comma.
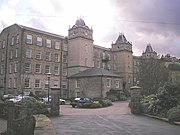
[(80, 23)]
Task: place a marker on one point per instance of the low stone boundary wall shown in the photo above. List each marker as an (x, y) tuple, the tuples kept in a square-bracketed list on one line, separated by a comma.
[(43, 125)]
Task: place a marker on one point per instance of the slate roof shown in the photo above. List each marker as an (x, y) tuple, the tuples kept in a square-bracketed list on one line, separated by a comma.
[(93, 72), (149, 49), (40, 31), (121, 39)]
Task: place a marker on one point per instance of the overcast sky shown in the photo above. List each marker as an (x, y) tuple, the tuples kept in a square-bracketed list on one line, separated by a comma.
[(142, 21)]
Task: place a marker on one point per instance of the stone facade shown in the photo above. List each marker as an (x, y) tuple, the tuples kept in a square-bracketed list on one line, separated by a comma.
[(94, 84), (28, 56)]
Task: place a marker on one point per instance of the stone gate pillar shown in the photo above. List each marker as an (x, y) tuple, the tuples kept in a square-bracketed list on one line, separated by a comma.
[(55, 101), (135, 99)]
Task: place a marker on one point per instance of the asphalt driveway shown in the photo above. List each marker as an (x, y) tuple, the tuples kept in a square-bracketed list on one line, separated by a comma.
[(114, 120)]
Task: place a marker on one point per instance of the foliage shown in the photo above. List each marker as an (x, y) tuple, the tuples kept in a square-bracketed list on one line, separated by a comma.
[(152, 75), (37, 107), (175, 67), (91, 105), (105, 102), (117, 96), (167, 97), (174, 114), (96, 104)]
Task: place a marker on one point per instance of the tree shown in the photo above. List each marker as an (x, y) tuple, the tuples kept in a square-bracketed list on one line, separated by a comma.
[(152, 75)]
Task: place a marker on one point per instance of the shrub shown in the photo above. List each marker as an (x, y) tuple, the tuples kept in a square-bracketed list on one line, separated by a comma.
[(173, 114), (105, 102), (90, 105), (95, 104), (37, 107)]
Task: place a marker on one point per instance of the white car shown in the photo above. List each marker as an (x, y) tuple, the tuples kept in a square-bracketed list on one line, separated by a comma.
[(16, 99), (62, 101)]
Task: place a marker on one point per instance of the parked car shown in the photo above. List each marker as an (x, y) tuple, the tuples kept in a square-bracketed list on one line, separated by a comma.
[(61, 101), (77, 101), (7, 97), (15, 99), (19, 98)]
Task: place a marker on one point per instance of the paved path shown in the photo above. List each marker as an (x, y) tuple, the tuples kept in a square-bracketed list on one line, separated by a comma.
[(3, 125), (117, 108), (109, 121)]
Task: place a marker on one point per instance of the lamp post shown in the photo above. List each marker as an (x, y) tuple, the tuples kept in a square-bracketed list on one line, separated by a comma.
[(48, 77)]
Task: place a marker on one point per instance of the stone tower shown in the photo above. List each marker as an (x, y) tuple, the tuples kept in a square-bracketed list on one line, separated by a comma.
[(149, 52), (80, 47), (123, 61)]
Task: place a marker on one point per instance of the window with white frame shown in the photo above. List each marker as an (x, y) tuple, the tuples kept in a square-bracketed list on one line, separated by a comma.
[(28, 52), (17, 39), (64, 72), (86, 48), (86, 60), (46, 84), (27, 83), (15, 67), (56, 57), (65, 47), (108, 82), (10, 68), (98, 64), (1, 82), (109, 56), (38, 68), (12, 40), (115, 57), (117, 83), (15, 82), (48, 56), (115, 67), (109, 67), (16, 53), (64, 84), (56, 70), (3, 44), (38, 54), (29, 39), (103, 65), (27, 67), (56, 83), (39, 41), (47, 69), (2, 69), (10, 82), (11, 54), (2, 56), (57, 45), (78, 83), (37, 83), (48, 43), (64, 59), (103, 54)]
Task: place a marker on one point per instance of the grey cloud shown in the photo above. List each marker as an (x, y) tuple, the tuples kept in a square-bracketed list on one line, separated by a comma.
[(158, 20)]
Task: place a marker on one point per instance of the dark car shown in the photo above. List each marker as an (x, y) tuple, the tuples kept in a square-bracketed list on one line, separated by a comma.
[(77, 101)]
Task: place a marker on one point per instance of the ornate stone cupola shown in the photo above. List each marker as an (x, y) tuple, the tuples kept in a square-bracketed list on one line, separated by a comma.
[(80, 29)]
